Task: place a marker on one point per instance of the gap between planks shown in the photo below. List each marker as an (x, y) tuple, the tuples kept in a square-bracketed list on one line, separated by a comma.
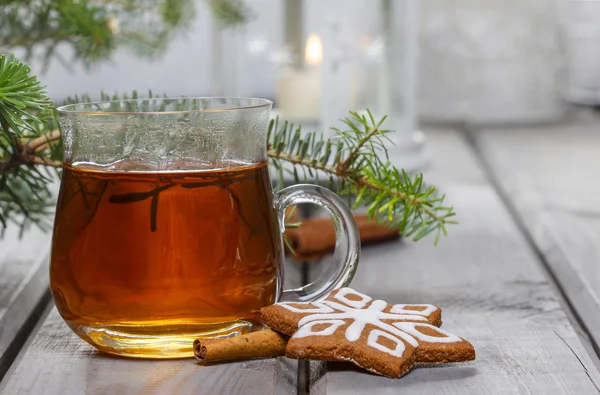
[(22, 317), (303, 365), (587, 339)]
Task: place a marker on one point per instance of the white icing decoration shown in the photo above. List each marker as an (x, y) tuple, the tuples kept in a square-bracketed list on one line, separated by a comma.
[(378, 305), (400, 309), (392, 325), (411, 328), (375, 334), (358, 304), (306, 330), (361, 317), (320, 308)]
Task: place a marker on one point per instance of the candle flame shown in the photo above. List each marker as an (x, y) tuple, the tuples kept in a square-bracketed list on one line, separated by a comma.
[(313, 54), (113, 25)]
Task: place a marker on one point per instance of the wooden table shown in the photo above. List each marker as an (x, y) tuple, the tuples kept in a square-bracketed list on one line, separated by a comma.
[(519, 278)]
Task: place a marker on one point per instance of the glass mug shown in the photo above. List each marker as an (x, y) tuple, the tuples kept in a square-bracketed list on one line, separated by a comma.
[(167, 228)]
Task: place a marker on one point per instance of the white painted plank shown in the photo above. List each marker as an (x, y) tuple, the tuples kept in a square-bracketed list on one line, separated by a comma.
[(58, 362), (493, 291), (550, 178), (23, 288)]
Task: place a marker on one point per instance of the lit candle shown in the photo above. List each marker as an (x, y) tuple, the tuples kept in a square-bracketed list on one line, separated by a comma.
[(299, 91)]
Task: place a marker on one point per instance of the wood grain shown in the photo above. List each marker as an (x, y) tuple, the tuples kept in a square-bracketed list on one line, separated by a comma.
[(58, 362), (549, 176), (489, 281), (493, 291), (23, 288)]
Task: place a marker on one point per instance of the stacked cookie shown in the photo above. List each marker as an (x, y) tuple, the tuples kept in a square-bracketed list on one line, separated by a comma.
[(383, 338)]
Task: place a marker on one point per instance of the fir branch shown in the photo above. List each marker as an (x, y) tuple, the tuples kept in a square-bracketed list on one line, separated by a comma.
[(391, 196), (229, 13), (26, 115), (43, 142), (21, 95), (355, 161), (93, 29)]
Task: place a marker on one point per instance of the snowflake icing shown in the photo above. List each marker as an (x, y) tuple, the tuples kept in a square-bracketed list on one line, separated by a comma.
[(402, 322), (382, 338)]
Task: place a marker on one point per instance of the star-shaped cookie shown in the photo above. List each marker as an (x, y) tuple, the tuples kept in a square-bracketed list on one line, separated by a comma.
[(383, 338)]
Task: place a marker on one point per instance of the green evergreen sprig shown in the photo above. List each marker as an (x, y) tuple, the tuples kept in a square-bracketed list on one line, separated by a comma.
[(92, 29), (22, 96), (27, 122), (229, 13), (355, 163)]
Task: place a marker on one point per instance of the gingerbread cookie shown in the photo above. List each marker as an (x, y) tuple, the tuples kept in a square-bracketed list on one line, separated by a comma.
[(382, 338)]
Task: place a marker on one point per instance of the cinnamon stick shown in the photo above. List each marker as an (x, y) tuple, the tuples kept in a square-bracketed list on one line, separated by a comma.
[(316, 236), (263, 343)]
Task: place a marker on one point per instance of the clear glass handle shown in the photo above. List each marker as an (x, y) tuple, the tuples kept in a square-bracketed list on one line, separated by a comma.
[(340, 271)]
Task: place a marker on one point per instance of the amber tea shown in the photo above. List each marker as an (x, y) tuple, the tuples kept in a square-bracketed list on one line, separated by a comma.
[(167, 228), (164, 253)]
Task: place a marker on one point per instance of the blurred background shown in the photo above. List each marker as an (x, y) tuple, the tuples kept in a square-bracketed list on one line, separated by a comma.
[(494, 100), (460, 61)]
